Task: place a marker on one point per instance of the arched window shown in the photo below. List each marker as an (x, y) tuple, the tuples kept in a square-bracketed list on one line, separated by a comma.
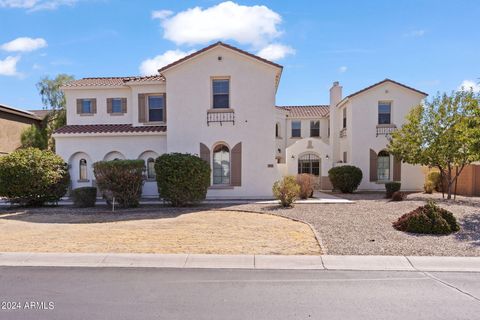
[(277, 130), (150, 168), (383, 166), (83, 169), (309, 163), (221, 165)]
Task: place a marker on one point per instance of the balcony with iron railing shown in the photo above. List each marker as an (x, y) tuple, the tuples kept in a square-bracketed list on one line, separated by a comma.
[(385, 129), (220, 116)]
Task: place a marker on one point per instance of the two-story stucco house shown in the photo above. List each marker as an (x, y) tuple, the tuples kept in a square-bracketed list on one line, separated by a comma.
[(219, 103)]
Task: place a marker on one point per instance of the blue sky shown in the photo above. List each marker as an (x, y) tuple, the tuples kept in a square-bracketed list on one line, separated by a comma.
[(430, 45)]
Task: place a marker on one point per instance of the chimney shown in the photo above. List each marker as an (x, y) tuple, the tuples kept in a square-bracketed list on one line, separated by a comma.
[(335, 94)]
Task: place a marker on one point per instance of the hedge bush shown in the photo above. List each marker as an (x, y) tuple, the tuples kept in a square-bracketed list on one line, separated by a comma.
[(345, 178), (33, 177), (286, 190), (428, 187), (399, 196), (182, 179), (306, 182), (392, 187), (429, 219), (84, 197), (120, 179)]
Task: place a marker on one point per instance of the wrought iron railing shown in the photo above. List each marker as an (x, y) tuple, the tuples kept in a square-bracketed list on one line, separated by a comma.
[(343, 132), (386, 130), (220, 116)]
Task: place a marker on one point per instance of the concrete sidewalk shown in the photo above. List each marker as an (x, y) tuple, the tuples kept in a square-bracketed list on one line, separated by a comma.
[(325, 262)]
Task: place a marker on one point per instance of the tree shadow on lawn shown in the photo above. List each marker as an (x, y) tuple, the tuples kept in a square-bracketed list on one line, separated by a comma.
[(470, 229), (99, 214)]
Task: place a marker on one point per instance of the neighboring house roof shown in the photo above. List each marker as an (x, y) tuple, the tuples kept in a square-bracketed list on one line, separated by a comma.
[(219, 43), (108, 128), (110, 81), (306, 111), (18, 112), (40, 113), (380, 83)]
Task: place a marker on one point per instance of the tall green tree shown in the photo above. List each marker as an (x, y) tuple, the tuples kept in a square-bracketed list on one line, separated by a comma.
[(34, 137), (53, 100), (443, 133)]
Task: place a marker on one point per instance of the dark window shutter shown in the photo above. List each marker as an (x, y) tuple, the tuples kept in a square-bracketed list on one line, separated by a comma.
[(109, 105), (236, 165), (124, 105), (165, 107), (79, 106), (94, 105), (205, 153), (397, 169), (141, 107), (373, 165)]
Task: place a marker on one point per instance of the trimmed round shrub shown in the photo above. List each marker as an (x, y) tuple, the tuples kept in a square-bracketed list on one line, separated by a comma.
[(33, 177), (84, 197), (435, 178), (429, 219), (399, 196), (428, 187), (345, 178), (286, 190), (121, 180), (306, 182), (182, 179), (392, 187)]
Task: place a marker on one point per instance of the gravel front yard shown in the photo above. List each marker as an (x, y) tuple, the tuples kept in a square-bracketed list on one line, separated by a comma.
[(153, 230), (365, 227)]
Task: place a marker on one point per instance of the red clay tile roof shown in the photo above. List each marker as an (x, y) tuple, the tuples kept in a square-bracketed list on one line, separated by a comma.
[(110, 81), (108, 128), (306, 111), (219, 43), (383, 81)]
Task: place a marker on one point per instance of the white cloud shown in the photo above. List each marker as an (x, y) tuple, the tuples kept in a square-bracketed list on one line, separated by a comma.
[(252, 25), (342, 69), (151, 66), (469, 85), (415, 33), (24, 44), (8, 66), (161, 14), (36, 5), (275, 51)]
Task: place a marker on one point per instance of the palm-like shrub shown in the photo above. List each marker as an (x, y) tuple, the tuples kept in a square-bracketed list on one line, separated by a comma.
[(120, 179), (345, 178), (286, 190), (33, 177), (429, 219), (182, 179)]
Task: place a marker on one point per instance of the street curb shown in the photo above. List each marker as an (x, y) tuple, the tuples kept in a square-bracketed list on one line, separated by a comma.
[(256, 262)]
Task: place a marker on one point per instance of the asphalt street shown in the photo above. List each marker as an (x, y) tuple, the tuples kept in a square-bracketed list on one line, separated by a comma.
[(154, 293)]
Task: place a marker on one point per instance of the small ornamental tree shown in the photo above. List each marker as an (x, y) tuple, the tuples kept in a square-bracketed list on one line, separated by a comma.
[(120, 179), (33, 177), (345, 178), (182, 179), (444, 134)]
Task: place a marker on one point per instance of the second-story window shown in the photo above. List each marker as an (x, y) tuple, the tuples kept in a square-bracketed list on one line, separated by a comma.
[(116, 105), (344, 121), (156, 108), (86, 106), (315, 128), (296, 129), (221, 93), (384, 112)]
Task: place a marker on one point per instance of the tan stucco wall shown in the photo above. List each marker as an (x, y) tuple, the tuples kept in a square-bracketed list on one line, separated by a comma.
[(11, 127)]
